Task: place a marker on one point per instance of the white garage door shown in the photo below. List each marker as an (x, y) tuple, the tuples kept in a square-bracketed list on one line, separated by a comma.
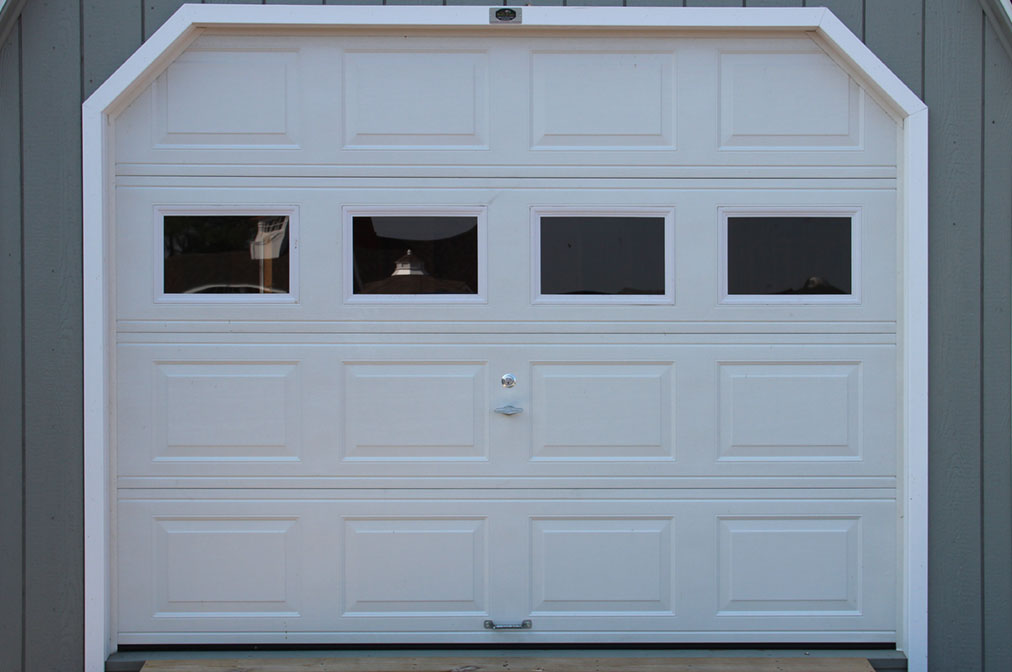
[(518, 339)]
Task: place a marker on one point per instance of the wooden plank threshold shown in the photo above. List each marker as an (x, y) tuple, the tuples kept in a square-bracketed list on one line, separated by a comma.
[(508, 664)]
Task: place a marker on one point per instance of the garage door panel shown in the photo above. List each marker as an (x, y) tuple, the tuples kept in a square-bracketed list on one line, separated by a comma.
[(227, 98), (399, 562), (806, 409), (441, 407), (769, 411), (399, 99), (220, 98), (807, 565), (602, 565), (341, 99), (623, 99), (822, 410), (789, 566), (225, 410), (787, 411), (603, 411), (320, 273), (273, 410), (415, 566), (236, 566), (791, 98)]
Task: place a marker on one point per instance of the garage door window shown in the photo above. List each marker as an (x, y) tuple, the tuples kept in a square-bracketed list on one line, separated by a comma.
[(790, 257), (415, 255), (603, 257), (234, 256)]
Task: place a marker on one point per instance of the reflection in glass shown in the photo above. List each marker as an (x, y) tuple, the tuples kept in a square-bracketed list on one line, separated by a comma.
[(788, 255), (225, 254), (415, 255), (602, 255)]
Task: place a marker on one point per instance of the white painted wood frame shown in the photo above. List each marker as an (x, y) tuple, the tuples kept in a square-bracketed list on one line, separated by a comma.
[(191, 20)]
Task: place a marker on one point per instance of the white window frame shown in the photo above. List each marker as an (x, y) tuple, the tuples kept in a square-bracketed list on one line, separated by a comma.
[(191, 20), (158, 262), (349, 212), (668, 213), (854, 213)]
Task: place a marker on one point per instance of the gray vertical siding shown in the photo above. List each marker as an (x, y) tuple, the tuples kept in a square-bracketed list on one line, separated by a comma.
[(774, 3), (11, 449), (53, 397), (110, 32), (894, 31), (953, 71), (945, 51), (156, 12), (850, 12), (996, 344)]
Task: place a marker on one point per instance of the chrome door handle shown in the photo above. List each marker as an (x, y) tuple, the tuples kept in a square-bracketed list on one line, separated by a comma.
[(509, 409)]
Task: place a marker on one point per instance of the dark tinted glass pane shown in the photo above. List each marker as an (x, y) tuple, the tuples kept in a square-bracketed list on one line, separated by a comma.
[(788, 255), (602, 255), (415, 255), (226, 254)]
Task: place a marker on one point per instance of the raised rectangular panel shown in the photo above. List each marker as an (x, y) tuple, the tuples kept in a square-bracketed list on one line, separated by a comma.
[(415, 565), (211, 566), (236, 411), (416, 99), (614, 564), (787, 100), (408, 411), (789, 565), (790, 411), (603, 411), (603, 100), (228, 98)]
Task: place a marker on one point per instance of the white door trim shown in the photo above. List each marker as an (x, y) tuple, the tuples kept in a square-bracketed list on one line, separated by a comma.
[(186, 24)]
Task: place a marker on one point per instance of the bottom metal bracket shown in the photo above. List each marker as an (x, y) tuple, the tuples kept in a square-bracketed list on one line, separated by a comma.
[(522, 625)]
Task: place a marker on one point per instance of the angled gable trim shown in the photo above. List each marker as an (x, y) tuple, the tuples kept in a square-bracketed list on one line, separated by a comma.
[(872, 73)]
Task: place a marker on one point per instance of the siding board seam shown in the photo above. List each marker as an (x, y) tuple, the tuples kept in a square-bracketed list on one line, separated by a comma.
[(996, 492), (996, 496), (981, 331), (80, 49), (864, 21), (924, 39), (21, 308)]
